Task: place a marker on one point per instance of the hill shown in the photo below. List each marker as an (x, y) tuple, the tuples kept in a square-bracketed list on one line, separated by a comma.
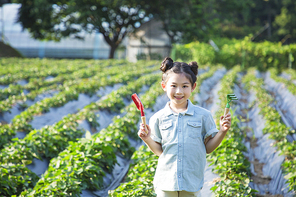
[(8, 51)]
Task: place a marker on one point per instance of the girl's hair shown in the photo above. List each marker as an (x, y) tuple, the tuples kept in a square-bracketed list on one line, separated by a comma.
[(190, 70)]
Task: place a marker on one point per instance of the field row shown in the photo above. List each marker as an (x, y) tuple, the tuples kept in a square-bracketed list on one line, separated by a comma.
[(21, 122), (49, 141), (80, 160)]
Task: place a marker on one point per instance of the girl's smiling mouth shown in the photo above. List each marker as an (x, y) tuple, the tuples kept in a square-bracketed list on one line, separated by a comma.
[(179, 98)]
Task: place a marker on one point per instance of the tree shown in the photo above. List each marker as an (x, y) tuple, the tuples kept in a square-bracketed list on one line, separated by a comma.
[(286, 22), (2, 2), (237, 19), (264, 12), (184, 21), (199, 20), (55, 19)]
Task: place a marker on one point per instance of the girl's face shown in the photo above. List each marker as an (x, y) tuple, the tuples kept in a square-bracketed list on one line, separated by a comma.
[(178, 89)]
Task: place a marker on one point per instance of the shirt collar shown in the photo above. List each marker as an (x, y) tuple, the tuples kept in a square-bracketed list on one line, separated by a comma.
[(190, 108), (168, 111)]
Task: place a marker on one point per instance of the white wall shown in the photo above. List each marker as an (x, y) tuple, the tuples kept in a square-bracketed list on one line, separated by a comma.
[(154, 40)]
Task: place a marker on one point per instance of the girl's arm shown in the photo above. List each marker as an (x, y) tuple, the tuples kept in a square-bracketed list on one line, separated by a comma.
[(155, 147), (213, 143)]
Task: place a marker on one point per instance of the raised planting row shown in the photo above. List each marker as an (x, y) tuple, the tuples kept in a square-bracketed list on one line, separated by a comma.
[(48, 142), (228, 159), (70, 72), (63, 82), (14, 65), (139, 180), (84, 163), (41, 139), (291, 73), (36, 69), (140, 175), (201, 78), (282, 88), (15, 69), (288, 83), (10, 90), (21, 122), (274, 126)]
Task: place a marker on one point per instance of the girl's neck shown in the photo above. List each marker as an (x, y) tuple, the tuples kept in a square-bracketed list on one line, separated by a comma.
[(178, 109)]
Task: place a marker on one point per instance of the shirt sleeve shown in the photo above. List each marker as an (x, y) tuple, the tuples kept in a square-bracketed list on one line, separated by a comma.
[(155, 132), (210, 127)]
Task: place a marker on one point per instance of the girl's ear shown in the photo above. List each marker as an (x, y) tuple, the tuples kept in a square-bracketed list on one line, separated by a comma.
[(163, 85), (193, 87)]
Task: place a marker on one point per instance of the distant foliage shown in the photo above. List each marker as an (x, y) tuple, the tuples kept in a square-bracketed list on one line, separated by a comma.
[(203, 53), (249, 54)]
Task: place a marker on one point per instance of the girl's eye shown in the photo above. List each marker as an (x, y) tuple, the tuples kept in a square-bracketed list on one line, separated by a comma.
[(173, 86), (185, 86)]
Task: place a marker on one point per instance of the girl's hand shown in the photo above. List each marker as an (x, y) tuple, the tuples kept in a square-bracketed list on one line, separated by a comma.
[(225, 123), (142, 134)]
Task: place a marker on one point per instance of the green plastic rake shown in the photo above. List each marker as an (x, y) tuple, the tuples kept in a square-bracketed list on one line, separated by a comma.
[(230, 97)]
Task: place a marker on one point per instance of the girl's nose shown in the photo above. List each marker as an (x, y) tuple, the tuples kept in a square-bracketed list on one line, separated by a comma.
[(178, 90)]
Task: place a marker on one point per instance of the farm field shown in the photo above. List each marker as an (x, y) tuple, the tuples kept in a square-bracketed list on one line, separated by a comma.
[(69, 128)]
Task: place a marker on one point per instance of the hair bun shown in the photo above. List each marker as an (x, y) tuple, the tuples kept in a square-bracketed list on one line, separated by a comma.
[(166, 64), (194, 67)]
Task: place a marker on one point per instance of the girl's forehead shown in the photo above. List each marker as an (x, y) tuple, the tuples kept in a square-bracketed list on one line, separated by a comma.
[(178, 78)]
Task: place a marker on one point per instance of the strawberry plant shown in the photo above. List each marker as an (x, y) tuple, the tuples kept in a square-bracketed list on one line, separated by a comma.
[(230, 163), (15, 178)]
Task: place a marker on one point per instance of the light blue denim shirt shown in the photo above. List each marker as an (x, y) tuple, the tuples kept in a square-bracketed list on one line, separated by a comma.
[(181, 165)]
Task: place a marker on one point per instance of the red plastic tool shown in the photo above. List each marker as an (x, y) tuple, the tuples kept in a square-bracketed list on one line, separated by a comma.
[(140, 107)]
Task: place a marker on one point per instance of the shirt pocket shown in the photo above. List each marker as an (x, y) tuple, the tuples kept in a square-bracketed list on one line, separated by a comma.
[(166, 130), (194, 129)]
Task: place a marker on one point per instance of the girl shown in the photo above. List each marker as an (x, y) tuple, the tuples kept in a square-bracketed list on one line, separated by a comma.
[(181, 134)]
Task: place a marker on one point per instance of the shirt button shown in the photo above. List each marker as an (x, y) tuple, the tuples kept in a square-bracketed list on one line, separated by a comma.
[(180, 145), (179, 130), (179, 159), (179, 176)]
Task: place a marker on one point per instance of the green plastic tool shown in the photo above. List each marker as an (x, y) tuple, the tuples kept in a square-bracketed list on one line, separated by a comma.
[(230, 97)]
